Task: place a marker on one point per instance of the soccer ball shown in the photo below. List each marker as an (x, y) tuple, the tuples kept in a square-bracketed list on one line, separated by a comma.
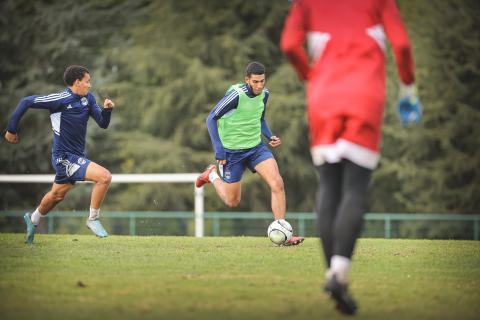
[(279, 231)]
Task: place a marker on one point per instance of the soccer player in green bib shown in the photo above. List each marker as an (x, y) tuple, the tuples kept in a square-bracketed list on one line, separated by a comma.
[(236, 125)]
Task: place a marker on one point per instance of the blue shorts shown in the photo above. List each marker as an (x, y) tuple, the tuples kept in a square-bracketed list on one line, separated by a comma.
[(69, 168), (238, 160)]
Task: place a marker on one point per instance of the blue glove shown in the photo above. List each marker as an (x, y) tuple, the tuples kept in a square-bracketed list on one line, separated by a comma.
[(409, 107)]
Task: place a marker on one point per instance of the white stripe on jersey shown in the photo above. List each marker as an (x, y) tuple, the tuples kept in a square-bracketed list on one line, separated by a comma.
[(226, 101), (55, 118), (378, 34), (52, 97), (53, 94), (316, 43)]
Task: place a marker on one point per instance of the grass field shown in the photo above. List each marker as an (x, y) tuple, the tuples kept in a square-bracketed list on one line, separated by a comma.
[(122, 277)]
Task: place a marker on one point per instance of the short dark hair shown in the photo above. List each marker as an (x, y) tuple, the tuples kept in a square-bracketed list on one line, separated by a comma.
[(73, 73), (254, 68)]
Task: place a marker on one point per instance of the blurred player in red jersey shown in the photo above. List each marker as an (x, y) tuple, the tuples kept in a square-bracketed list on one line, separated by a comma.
[(345, 78)]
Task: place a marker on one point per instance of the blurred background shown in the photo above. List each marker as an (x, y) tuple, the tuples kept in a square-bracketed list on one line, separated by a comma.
[(167, 63)]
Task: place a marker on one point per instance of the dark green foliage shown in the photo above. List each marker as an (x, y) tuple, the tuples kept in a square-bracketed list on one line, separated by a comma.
[(167, 63), (436, 167)]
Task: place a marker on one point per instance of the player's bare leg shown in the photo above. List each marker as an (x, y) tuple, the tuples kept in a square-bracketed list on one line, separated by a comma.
[(102, 178), (49, 201), (54, 197), (230, 193), (268, 170)]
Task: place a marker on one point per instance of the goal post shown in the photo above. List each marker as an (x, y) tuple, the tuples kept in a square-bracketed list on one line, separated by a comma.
[(199, 210)]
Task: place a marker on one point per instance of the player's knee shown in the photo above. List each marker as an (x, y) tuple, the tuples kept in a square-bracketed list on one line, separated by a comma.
[(105, 177), (357, 200), (277, 185)]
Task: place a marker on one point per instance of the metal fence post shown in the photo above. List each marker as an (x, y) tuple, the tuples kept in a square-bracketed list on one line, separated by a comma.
[(133, 225), (216, 226), (301, 225), (50, 224), (388, 227), (475, 229)]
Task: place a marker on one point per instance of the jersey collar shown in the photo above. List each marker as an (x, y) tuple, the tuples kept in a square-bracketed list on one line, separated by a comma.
[(74, 94), (249, 92)]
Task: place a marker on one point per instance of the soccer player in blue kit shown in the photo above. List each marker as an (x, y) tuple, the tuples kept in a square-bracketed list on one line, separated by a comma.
[(236, 125), (69, 114)]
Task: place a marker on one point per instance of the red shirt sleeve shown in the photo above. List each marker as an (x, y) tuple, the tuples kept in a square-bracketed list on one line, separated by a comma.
[(397, 35), (293, 37)]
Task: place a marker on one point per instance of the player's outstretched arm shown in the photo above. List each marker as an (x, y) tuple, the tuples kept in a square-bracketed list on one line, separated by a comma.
[(50, 102), (11, 134)]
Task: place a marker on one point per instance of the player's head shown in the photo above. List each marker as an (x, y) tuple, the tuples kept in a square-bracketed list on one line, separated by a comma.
[(78, 79), (255, 76)]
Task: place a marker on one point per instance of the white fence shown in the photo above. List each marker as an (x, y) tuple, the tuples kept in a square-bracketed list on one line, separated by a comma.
[(132, 178)]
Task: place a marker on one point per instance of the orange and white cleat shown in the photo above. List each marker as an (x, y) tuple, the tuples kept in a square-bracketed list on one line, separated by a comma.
[(203, 178), (294, 240)]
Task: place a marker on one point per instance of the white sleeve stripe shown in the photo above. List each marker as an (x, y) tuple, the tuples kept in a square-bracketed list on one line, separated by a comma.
[(53, 94), (226, 101), (51, 98), (224, 104)]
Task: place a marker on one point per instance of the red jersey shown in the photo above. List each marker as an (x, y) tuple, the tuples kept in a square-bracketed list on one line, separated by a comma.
[(345, 69)]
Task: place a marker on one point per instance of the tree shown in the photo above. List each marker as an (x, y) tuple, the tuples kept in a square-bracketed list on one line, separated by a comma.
[(167, 63)]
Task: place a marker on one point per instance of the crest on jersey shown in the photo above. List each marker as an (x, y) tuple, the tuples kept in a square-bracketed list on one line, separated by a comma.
[(84, 101), (81, 161)]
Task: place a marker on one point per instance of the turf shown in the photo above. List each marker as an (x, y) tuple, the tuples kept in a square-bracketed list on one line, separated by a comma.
[(123, 277)]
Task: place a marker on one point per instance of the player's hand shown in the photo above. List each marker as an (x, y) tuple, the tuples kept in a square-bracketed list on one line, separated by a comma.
[(12, 137), (274, 141), (108, 104), (221, 162), (409, 107)]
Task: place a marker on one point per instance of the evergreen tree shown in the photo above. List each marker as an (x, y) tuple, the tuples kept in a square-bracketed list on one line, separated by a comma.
[(167, 63)]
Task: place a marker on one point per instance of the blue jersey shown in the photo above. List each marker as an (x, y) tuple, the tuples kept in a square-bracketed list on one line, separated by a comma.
[(69, 114), (228, 103)]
